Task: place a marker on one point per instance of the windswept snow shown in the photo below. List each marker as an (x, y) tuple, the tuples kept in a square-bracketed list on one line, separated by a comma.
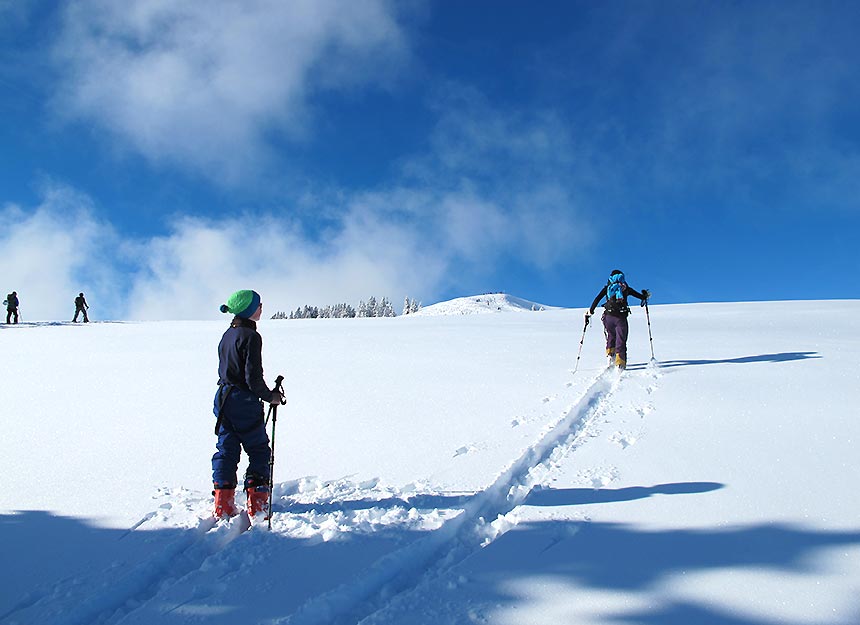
[(482, 304), (444, 470)]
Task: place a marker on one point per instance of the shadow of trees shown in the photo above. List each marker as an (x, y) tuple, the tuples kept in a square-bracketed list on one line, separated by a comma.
[(65, 566), (624, 558)]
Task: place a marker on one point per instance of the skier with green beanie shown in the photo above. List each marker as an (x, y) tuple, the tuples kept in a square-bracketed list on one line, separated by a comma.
[(242, 391), (242, 303)]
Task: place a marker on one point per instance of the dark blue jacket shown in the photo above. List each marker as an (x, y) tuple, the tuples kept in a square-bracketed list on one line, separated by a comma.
[(240, 358)]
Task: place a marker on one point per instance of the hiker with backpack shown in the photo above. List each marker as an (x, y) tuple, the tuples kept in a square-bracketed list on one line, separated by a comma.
[(238, 407), (615, 315), (81, 306), (12, 307)]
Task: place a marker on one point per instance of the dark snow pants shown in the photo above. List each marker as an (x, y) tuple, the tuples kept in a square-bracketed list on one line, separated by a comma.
[(241, 425), (616, 334)]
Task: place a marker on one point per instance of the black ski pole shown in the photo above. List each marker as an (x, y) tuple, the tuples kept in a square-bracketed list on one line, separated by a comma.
[(273, 412), (651, 340), (581, 341)]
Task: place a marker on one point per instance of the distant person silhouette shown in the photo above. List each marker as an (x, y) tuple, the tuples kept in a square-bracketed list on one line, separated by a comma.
[(81, 306), (12, 307)]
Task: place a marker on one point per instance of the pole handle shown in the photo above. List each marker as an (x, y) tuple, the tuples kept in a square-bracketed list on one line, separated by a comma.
[(278, 387)]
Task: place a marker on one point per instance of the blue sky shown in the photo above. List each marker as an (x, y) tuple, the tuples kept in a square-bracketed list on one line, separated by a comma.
[(160, 155)]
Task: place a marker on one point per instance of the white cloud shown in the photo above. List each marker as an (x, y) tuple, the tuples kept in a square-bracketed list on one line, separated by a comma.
[(498, 189), (55, 251), (200, 84), (59, 248), (190, 272), (389, 244), (503, 184)]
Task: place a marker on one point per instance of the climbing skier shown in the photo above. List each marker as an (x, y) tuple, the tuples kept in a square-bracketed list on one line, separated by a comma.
[(11, 307), (81, 306), (239, 408), (615, 315)]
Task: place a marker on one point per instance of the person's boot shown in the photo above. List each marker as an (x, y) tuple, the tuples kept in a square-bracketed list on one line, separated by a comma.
[(620, 362), (257, 490), (610, 355), (225, 504)]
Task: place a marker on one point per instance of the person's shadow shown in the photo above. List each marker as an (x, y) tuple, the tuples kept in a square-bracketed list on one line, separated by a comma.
[(582, 496), (742, 360)]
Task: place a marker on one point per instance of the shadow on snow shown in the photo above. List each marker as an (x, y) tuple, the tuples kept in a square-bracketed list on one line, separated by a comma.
[(51, 324), (538, 497), (65, 570), (743, 360), (582, 496), (617, 557)]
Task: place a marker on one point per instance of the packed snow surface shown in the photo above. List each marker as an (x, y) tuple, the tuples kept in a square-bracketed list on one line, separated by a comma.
[(443, 470)]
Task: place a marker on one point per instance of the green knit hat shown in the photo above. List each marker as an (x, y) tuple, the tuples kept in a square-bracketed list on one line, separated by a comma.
[(242, 303)]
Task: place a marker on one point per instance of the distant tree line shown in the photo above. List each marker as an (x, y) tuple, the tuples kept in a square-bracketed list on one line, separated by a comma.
[(338, 311), (371, 308), (410, 306)]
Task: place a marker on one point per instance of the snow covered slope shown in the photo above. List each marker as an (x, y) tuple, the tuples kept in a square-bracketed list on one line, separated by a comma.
[(481, 304), (444, 470)]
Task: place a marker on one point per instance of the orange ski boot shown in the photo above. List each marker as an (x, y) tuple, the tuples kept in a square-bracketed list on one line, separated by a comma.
[(257, 491), (225, 505)]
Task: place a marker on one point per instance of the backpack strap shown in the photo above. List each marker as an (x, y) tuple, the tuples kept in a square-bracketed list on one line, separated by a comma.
[(223, 398)]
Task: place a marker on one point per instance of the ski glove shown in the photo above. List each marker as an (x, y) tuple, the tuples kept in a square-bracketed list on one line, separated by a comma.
[(277, 398), (647, 295)]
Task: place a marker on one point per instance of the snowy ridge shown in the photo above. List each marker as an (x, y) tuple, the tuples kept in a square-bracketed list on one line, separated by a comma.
[(482, 304)]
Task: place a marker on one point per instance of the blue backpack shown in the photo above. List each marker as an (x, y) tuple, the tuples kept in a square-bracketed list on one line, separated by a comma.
[(616, 290)]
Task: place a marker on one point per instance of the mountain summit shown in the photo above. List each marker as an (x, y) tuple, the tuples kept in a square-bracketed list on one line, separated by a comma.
[(482, 304)]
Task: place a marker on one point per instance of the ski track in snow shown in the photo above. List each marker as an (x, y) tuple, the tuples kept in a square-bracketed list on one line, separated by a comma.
[(184, 554), (117, 594), (482, 520), (387, 582)]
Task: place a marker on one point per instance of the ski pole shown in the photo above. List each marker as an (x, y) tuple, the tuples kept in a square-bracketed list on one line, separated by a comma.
[(651, 340), (581, 341), (273, 412)]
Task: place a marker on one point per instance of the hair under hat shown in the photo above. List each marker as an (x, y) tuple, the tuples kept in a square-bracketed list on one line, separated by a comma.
[(242, 303)]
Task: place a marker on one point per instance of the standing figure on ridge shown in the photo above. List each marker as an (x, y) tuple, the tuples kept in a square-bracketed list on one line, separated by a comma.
[(12, 307), (81, 306), (239, 408), (615, 315)]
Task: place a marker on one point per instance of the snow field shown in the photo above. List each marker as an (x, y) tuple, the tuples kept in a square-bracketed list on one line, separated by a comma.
[(452, 470)]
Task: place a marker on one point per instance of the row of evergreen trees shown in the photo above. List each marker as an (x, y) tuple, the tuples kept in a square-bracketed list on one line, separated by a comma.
[(371, 308)]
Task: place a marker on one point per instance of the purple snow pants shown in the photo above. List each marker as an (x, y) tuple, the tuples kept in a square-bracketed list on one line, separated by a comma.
[(616, 334)]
